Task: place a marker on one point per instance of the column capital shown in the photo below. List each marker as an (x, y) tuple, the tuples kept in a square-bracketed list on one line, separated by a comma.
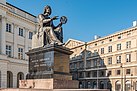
[(15, 25), (26, 28), (4, 17)]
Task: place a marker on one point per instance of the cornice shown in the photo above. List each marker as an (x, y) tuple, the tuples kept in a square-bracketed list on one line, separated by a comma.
[(20, 17), (114, 35)]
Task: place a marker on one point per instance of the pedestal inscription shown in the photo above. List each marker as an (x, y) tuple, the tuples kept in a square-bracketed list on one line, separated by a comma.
[(40, 64)]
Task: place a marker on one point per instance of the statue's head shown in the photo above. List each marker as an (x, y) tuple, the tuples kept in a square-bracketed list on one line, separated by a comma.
[(47, 10)]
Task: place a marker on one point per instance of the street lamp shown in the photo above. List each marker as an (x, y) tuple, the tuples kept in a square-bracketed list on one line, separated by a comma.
[(121, 66), (98, 64), (131, 82)]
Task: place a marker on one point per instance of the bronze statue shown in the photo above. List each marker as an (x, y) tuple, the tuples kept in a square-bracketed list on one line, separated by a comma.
[(47, 32)]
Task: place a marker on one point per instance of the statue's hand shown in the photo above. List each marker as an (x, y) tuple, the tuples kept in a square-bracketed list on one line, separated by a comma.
[(54, 18)]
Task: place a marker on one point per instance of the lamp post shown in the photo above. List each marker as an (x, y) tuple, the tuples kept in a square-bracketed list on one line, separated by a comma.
[(131, 82), (121, 77), (98, 64)]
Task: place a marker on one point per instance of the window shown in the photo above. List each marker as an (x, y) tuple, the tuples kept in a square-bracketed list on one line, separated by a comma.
[(110, 40), (102, 73), (118, 59), (81, 64), (94, 73), (96, 44), (118, 46), (109, 48), (128, 44), (88, 63), (119, 37), (109, 60), (95, 62), (8, 27), (102, 50), (101, 62), (109, 73), (128, 58), (95, 52), (20, 32), (118, 72), (102, 42), (8, 50), (88, 74), (30, 35), (75, 65), (81, 74), (118, 86), (128, 86), (127, 71), (20, 53)]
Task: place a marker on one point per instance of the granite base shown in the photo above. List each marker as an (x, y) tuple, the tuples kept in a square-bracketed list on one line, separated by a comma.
[(49, 84)]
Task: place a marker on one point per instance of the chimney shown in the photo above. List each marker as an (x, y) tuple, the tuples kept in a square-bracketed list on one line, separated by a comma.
[(96, 37), (134, 23)]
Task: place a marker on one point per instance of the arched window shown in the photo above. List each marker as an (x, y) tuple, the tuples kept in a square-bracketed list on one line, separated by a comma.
[(80, 84), (9, 79), (89, 84), (94, 84), (128, 85), (101, 85), (117, 86), (20, 76), (109, 86)]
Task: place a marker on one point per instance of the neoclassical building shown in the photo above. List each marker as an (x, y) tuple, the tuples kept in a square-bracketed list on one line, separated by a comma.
[(108, 62), (16, 30)]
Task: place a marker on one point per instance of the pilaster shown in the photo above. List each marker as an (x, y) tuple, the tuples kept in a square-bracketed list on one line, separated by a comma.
[(26, 42), (15, 37), (14, 80), (3, 67), (2, 37)]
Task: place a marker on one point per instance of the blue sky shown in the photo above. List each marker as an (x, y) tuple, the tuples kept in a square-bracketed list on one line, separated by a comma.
[(86, 18)]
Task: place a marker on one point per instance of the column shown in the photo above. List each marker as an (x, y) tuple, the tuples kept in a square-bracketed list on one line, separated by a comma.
[(2, 37), (15, 39)]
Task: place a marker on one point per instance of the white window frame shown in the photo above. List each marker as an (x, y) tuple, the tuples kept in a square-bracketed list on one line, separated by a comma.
[(128, 57), (21, 32), (119, 59), (30, 35), (109, 60), (9, 50), (118, 46), (128, 44), (8, 27), (109, 48), (20, 53), (102, 50)]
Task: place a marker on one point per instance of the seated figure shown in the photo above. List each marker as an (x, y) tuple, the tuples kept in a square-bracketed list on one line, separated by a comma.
[(47, 32)]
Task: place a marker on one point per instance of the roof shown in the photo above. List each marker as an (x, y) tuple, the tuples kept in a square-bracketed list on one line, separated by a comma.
[(73, 40), (20, 9)]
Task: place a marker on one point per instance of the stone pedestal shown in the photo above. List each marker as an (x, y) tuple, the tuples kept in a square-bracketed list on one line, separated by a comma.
[(49, 62), (49, 69)]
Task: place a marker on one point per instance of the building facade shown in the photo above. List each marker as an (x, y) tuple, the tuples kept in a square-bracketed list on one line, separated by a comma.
[(109, 62), (16, 30)]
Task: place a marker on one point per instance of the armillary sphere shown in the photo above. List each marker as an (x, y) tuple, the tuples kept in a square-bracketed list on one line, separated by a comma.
[(63, 19)]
